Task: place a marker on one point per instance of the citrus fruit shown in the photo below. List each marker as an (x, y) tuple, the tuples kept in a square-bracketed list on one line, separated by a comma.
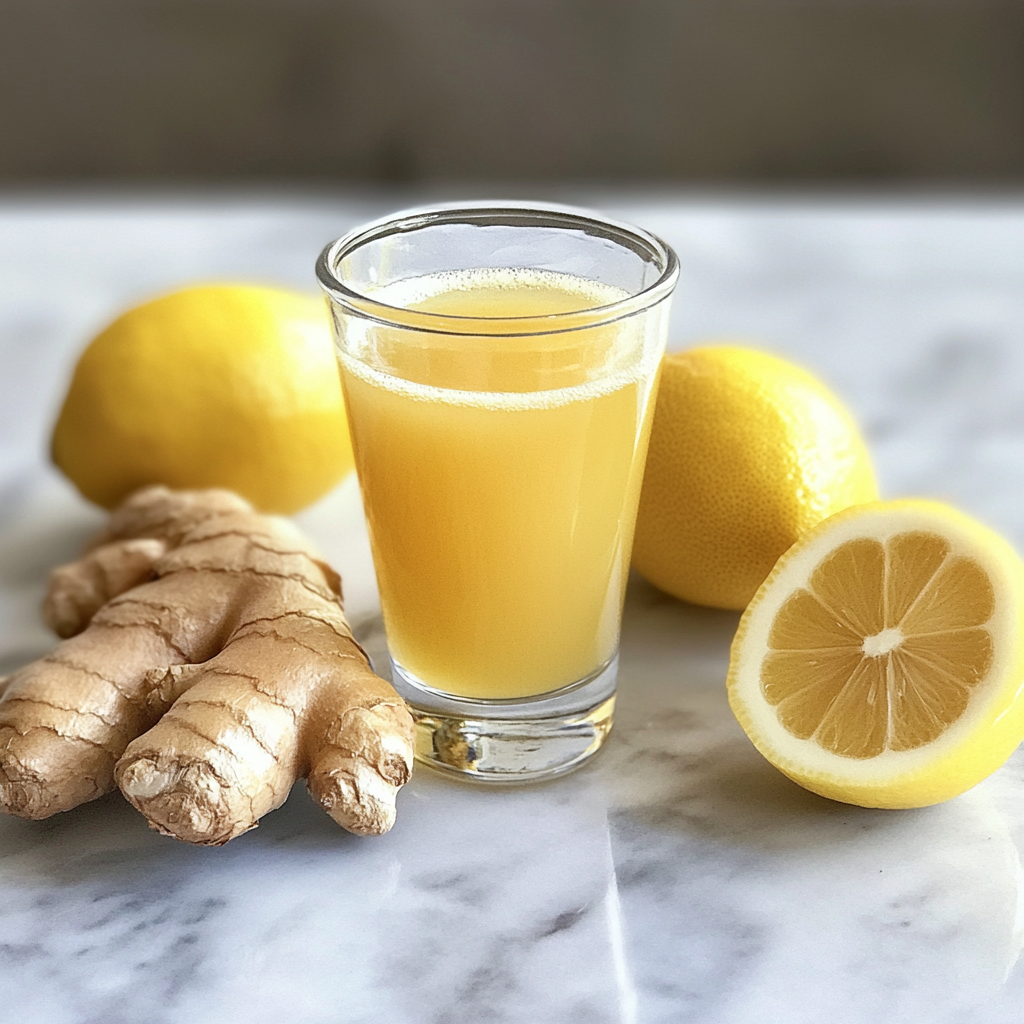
[(881, 663), (747, 453), (214, 386)]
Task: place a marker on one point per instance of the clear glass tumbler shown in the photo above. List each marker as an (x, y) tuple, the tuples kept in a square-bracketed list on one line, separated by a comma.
[(499, 362)]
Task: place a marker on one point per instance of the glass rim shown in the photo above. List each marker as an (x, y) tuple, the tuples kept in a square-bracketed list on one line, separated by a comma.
[(494, 212)]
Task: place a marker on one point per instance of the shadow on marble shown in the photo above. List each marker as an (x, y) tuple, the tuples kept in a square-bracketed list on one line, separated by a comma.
[(43, 523), (108, 838), (28, 554), (650, 614)]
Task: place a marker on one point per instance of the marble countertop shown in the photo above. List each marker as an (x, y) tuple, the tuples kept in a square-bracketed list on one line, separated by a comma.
[(676, 878)]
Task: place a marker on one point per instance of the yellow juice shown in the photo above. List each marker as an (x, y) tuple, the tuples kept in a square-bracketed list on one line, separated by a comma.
[(500, 482)]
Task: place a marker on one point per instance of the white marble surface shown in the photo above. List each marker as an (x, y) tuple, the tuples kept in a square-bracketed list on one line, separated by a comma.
[(678, 877)]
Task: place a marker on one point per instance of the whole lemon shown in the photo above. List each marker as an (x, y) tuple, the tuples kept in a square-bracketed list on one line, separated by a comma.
[(747, 453), (214, 386)]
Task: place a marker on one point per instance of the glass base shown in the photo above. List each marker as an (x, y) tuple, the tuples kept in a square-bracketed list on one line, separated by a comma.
[(526, 739)]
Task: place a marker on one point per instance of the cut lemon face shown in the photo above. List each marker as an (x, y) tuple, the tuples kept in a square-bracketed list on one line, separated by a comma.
[(881, 662)]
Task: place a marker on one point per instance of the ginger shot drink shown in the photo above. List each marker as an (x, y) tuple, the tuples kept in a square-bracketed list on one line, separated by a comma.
[(499, 365)]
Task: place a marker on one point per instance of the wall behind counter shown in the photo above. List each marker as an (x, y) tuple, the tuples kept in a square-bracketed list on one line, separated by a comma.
[(746, 91)]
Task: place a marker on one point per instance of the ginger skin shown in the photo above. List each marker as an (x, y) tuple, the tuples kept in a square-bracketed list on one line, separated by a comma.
[(207, 666)]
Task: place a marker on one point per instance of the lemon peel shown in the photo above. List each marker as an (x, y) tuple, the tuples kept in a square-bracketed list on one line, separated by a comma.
[(230, 386), (748, 451)]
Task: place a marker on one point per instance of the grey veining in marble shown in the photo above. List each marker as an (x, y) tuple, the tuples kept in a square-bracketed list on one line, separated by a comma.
[(679, 877)]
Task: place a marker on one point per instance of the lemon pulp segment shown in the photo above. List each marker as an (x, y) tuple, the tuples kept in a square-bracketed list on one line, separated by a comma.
[(882, 650)]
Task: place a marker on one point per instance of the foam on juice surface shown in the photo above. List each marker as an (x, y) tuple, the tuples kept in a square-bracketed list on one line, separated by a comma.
[(499, 292), (514, 294)]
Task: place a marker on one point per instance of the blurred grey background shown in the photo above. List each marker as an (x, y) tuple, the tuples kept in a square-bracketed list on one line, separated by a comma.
[(413, 91)]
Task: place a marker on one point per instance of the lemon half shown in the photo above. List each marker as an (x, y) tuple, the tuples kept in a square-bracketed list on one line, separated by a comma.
[(881, 662)]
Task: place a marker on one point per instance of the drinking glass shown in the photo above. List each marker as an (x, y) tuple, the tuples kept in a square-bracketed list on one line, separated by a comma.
[(499, 363)]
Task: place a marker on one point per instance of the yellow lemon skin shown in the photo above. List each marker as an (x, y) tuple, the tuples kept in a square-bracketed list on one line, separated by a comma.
[(973, 747), (230, 386), (747, 453)]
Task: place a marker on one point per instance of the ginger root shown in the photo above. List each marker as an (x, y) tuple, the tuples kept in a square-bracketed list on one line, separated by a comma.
[(208, 666)]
